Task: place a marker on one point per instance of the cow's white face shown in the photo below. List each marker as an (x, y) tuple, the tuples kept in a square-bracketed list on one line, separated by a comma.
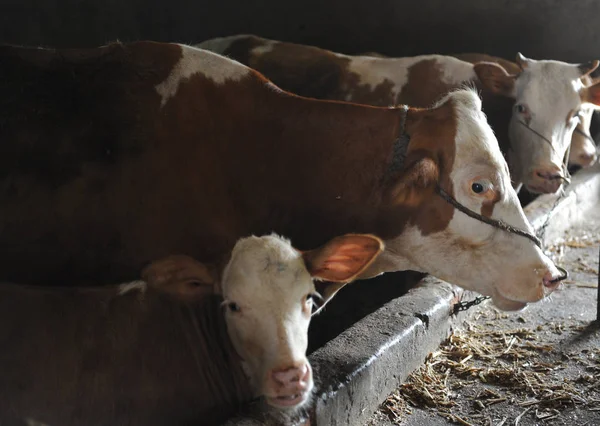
[(549, 96), (269, 296), (467, 252), (547, 101)]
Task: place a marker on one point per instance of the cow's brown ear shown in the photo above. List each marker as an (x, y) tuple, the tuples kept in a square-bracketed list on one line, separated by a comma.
[(416, 182), (341, 260), (591, 94), (494, 78), (182, 277)]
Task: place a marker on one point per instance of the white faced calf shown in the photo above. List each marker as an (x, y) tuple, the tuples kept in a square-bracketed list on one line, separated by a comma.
[(269, 296)]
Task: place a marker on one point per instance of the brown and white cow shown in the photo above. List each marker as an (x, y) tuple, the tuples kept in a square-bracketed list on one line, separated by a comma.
[(540, 98), (113, 157), (167, 350)]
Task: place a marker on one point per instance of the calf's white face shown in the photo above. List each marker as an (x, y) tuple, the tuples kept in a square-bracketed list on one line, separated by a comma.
[(548, 97), (269, 295), (465, 251)]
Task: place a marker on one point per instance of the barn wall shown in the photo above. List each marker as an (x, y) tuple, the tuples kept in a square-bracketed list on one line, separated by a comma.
[(558, 29)]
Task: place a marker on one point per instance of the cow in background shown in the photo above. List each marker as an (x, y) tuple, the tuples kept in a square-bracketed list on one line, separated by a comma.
[(533, 109)]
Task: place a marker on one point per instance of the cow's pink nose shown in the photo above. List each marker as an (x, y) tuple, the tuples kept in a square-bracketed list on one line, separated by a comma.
[(549, 173), (293, 376), (549, 281)]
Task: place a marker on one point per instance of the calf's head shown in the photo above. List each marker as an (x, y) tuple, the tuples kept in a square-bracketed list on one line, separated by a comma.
[(269, 295), (453, 148), (549, 96)]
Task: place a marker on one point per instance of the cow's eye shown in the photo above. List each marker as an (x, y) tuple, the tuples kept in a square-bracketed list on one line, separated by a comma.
[(521, 109), (233, 307), (480, 186), (477, 188)]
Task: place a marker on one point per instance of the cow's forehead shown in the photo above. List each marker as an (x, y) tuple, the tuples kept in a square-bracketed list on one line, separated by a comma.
[(549, 81), (264, 264)]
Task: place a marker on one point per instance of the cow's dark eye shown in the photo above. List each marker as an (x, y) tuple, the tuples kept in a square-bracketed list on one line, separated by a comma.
[(477, 188), (233, 307), (521, 108)]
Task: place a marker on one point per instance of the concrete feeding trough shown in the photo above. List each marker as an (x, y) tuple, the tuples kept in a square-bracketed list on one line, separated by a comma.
[(356, 369)]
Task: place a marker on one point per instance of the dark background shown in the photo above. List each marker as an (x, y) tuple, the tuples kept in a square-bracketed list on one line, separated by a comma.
[(542, 29)]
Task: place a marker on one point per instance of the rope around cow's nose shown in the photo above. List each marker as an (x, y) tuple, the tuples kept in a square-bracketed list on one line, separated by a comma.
[(564, 276)]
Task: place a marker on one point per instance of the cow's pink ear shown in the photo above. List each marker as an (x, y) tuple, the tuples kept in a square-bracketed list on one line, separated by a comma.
[(494, 78), (343, 258), (416, 182), (182, 277), (340, 261), (591, 94)]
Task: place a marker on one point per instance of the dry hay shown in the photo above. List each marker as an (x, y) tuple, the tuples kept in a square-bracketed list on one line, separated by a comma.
[(508, 366), (557, 252)]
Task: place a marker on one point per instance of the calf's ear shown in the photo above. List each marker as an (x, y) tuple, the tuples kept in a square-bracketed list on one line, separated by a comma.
[(340, 261), (182, 277), (416, 182), (495, 78)]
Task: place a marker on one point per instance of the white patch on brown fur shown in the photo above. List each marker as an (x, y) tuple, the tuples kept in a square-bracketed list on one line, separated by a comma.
[(140, 286), (265, 48), (374, 71), (198, 61)]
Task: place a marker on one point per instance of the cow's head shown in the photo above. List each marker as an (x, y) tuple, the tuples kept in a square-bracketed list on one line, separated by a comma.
[(583, 148), (548, 97), (269, 295), (452, 147)]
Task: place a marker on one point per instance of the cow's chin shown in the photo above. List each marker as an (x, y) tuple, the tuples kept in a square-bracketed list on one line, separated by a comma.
[(289, 402), (505, 304)]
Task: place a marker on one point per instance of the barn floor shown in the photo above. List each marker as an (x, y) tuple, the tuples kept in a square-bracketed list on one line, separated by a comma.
[(536, 367)]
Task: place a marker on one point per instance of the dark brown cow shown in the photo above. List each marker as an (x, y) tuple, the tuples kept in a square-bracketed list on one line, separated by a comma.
[(129, 355), (113, 157), (421, 80)]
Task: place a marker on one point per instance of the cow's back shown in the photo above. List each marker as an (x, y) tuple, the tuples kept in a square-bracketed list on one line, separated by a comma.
[(368, 79), (303, 70), (178, 151), (73, 357)]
